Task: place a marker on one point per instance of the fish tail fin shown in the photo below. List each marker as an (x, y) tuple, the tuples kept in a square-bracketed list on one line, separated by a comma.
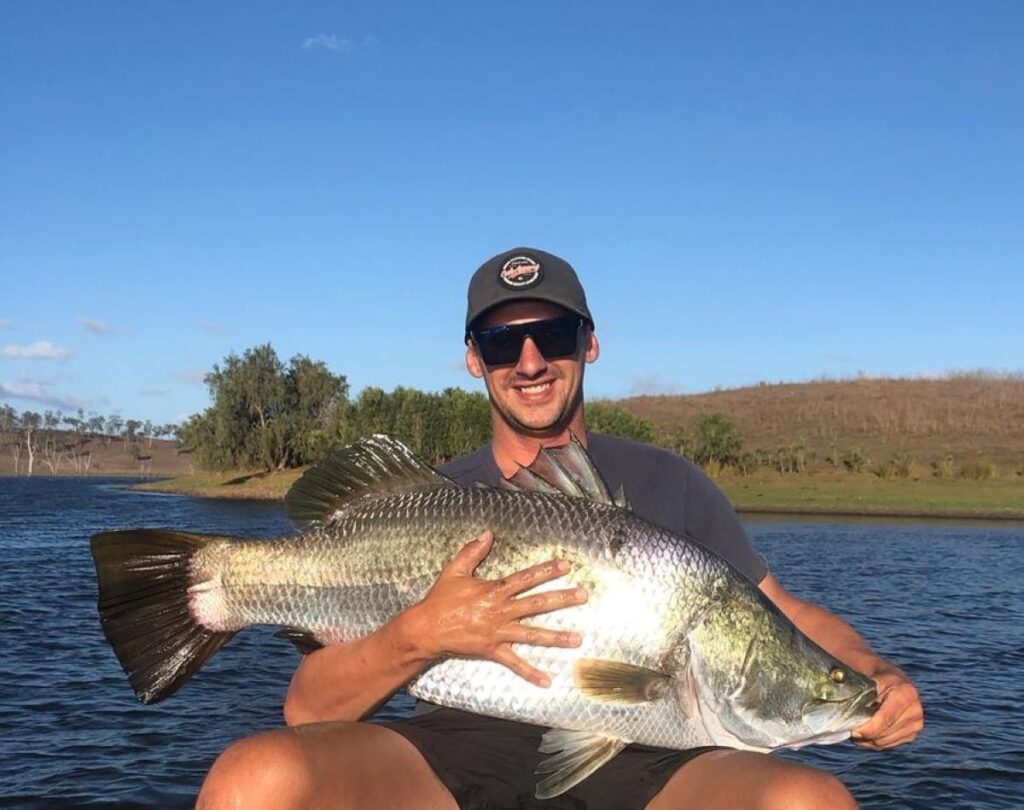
[(144, 577)]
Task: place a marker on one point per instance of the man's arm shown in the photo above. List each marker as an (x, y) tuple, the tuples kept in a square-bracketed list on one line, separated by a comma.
[(461, 616), (900, 717)]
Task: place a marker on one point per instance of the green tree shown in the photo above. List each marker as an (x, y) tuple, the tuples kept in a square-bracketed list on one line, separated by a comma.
[(264, 414), (614, 420), (717, 440)]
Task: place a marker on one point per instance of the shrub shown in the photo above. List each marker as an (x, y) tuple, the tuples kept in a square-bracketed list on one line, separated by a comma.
[(855, 459), (717, 440), (978, 470), (899, 466), (943, 468), (613, 420)]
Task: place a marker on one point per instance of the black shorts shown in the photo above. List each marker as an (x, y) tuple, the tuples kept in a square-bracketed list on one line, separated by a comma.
[(489, 764)]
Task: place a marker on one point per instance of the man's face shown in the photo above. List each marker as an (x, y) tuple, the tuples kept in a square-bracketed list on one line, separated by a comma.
[(535, 395)]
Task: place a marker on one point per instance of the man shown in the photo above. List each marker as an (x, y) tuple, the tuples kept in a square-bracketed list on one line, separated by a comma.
[(529, 337)]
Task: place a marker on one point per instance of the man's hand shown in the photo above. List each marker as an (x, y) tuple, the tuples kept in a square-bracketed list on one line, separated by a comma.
[(900, 715), (468, 617)]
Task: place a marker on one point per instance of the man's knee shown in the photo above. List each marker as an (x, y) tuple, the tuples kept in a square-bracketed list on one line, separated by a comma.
[(266, 771), (805, 788)]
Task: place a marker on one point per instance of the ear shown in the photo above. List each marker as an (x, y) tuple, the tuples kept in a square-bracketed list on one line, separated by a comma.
[(473, 364), (593, 347)]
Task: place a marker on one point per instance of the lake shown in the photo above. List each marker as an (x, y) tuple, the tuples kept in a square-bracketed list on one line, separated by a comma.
[(943, 600)]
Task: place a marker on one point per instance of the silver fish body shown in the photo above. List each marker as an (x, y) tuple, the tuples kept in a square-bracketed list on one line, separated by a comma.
[(678, 649)]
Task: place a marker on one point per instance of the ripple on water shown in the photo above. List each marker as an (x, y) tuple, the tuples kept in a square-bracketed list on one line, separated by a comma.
[(944, 602)]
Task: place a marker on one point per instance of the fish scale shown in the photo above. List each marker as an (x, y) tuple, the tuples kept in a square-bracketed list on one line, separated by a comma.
[(383, 555)]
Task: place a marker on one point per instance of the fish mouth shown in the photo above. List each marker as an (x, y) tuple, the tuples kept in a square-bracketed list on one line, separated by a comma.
[(867, 699)]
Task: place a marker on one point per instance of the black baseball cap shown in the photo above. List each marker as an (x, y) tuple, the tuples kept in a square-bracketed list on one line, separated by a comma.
[(525, 274)]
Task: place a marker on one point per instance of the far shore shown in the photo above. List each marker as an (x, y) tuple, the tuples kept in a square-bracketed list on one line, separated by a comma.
[(824, 494)]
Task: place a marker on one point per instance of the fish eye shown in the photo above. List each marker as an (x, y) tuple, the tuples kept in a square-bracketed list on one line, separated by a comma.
[(837, 674)]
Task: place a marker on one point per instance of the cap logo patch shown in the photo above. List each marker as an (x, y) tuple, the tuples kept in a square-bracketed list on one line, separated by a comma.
[(520, 272)]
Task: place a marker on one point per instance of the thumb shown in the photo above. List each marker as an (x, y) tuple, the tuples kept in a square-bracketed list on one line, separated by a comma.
[(471, 555)]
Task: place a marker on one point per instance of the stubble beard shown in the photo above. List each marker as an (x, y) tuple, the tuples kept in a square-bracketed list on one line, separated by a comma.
[(561, 421)]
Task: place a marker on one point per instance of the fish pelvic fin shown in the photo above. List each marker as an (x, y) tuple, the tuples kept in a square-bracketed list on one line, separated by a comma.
[(368, 466), (618, 682), (568, 470), (576, 755), (305, 641), (145, 608)]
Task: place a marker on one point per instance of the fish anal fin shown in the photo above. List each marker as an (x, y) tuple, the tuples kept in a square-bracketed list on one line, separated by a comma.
[(576, 755), (304, 640), (374, 464), (617, 682)]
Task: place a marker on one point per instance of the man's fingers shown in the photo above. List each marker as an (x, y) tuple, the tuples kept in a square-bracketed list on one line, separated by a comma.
[(539, 636), (534, 575), (470, 555), (505, 656), (547, 601)]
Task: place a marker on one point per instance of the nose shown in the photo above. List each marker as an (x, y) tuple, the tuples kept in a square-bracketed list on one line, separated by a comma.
[(531, 361)]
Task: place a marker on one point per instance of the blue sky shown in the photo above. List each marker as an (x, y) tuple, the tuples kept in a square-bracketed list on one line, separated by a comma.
[(750, 191)]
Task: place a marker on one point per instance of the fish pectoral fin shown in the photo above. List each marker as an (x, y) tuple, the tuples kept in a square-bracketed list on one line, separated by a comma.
[(577, 754), (304, 640), (618, 682)]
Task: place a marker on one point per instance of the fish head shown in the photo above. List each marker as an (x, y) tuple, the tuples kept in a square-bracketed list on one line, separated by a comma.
[(758, 683)]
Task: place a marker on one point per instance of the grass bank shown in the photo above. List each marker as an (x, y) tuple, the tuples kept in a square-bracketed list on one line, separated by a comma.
[(822, 493), (262, 486), (841, 493)]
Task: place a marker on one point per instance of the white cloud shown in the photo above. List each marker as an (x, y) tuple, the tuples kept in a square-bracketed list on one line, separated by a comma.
[(328, 42), (651, 383), (95, 326), (40, 350), (40, 393)]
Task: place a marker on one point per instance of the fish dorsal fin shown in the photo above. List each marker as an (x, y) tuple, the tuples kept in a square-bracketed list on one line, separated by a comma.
[(375, 464), (568, 470), (619, 682), (525, 480), (577, 754)]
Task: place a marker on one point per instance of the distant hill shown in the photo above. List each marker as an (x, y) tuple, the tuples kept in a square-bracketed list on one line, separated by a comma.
[(73, 454), (969, 416)]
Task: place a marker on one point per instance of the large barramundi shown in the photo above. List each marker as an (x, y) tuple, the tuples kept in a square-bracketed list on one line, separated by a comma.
[(678, 648)]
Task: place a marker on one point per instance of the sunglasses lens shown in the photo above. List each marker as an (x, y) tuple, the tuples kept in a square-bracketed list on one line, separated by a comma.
[(557, 337), (502, 345)]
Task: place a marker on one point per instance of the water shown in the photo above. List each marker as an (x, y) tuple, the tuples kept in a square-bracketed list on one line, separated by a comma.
[(944, 601)]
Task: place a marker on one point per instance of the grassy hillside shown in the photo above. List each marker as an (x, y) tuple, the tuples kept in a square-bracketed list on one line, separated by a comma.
[(66, 453), (970, 417)]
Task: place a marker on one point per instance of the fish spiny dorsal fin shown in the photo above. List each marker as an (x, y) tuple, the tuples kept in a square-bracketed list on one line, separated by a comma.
[(577, 754), (567, 470), (525, 480), (375, 464)]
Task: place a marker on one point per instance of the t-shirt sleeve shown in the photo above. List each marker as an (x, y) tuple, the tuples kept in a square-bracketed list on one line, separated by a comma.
[(711, 520)]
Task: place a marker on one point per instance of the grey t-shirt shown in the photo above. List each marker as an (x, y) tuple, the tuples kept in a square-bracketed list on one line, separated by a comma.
[(661, 487)]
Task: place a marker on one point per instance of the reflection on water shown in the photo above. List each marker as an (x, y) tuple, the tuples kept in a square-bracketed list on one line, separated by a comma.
[(945, 601)]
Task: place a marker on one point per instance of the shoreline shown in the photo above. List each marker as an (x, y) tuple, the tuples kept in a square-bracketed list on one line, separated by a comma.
[(1008, 508)]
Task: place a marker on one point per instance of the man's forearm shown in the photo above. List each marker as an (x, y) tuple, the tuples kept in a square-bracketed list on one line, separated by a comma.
[(348, 681), (835, 636)]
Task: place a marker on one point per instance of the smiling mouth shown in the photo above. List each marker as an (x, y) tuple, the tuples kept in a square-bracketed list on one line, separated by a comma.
[(534, 390)]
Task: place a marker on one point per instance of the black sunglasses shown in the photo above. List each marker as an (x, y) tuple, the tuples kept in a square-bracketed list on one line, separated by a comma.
[(555, 337)]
